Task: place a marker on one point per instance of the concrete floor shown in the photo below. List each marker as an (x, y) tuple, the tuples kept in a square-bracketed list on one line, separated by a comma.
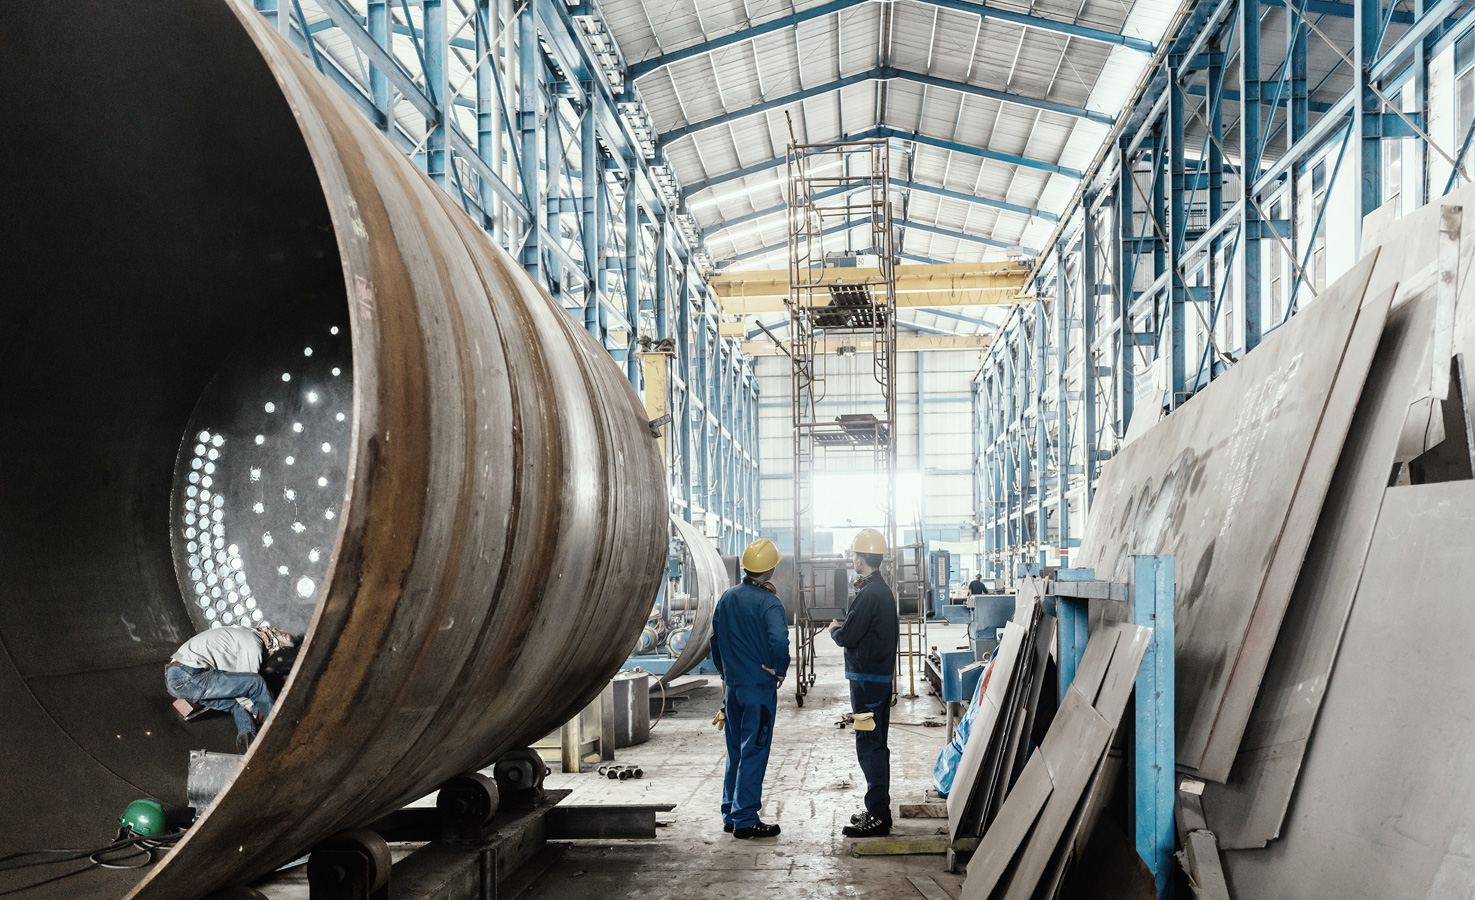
[(813, 787)]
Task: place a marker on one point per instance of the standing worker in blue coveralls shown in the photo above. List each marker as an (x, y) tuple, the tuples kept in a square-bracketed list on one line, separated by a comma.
[(750, 648), (869, 636)]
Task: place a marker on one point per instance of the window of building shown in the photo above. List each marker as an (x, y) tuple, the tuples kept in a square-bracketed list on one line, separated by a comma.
[(1318, 201), (1464, 85), (1277, 272), (1393, 174)]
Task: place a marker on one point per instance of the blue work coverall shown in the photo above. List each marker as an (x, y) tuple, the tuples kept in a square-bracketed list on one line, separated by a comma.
[(749, 631), (869, 636)]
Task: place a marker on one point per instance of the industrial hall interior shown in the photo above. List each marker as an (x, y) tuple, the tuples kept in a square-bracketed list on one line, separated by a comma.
[(706, 449)]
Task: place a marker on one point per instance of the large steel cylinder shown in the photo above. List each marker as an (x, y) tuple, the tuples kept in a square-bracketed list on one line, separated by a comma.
[(215, 266)]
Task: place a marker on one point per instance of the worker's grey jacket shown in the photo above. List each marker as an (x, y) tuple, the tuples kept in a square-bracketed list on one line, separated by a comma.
[(228, 649)]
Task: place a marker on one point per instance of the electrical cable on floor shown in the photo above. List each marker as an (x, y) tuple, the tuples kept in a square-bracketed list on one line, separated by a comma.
[(137, 847)]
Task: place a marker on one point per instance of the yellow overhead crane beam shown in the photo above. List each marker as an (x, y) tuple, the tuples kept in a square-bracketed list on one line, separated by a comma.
[(956, 284), (857, 344)]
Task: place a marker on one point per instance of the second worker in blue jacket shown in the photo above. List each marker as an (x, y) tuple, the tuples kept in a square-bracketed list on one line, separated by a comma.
[(869, 636), (750, 648)]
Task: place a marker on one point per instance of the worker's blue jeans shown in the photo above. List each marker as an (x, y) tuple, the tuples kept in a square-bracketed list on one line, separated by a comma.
[(219, 690), (870, 746), (749, 737)]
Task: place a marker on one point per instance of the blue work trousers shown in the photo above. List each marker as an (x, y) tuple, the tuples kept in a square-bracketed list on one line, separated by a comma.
[(749, 737), (219, 690), (870, 746)]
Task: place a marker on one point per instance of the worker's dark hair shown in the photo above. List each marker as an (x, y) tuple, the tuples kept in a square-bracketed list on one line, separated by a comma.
[(873, 559), (756, 578), (280, 662)]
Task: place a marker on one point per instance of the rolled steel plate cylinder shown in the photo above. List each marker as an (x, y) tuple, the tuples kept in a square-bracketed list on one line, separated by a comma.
[(198, 226)]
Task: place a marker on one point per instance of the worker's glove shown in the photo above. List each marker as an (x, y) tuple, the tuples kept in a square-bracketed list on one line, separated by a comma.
[(720, 720)]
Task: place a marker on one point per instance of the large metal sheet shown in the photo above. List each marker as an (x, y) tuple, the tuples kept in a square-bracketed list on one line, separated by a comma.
[(1224, 485), (1034, 813), (1385, 806), (981, 736), (710, 582), (1247, 810)]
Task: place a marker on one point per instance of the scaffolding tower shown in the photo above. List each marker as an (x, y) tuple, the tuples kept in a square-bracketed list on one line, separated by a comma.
[(838, 297)]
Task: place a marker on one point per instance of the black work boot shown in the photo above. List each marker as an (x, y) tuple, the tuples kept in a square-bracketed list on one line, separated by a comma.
[(868, 826), (761, 830), (727, 827), (855, 819)]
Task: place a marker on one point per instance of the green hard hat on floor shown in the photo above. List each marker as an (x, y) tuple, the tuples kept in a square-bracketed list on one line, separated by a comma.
[(144, 817)]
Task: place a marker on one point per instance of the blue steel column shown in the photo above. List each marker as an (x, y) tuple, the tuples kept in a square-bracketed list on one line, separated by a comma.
[(488, 108), (1419, 156), (592, 176), (1042, 446), (632, 276), (1063, 441), (922, 444), (683, 345), (378, 25), (1126, 265), (1365, 116), (531, 159), (1020, 442), (977, 431), (1298, 109), (1250, 130), (437, 88), (1003, 505), (663, 276), (1177, 306), (552, 207), (1090, 436)]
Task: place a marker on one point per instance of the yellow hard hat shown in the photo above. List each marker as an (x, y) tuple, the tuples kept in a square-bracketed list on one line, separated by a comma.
[(761, 556), (868, 540)]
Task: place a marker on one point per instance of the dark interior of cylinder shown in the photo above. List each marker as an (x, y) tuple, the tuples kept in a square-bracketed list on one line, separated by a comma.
[(167, 259)]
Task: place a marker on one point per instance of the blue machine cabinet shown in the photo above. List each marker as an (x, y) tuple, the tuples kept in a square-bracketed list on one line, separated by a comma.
[(1149, 597)]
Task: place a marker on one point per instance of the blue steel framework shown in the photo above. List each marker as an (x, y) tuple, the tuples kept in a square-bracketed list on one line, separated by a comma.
[(1165, 270), (528, 116)]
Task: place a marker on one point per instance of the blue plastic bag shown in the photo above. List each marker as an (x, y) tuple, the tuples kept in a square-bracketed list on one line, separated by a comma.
[(946, 767)]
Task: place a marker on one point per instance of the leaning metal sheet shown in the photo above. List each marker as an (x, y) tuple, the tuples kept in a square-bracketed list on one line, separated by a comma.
[(1280, 578), (1182, 488), (1247, 811), (985, 725), (1385, 806), (711, 581)]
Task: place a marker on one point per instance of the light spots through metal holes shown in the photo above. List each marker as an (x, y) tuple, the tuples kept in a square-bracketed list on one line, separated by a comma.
[(255, 510)]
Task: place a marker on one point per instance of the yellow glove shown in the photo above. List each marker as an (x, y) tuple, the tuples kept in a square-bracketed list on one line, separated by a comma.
[(720, 720)]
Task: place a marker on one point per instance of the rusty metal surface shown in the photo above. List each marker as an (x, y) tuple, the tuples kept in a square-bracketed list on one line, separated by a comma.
[(1231, 484), (710, 581), (194, 189), (1385, 806)]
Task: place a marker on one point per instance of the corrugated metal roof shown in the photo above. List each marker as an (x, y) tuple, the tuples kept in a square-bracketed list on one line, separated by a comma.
[(714, 89)]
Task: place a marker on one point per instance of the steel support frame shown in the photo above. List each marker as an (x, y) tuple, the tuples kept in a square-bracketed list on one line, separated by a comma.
[(526, 115), (1159, 274)]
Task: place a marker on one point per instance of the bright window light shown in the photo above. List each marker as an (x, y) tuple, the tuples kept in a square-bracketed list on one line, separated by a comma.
[(846, 502)]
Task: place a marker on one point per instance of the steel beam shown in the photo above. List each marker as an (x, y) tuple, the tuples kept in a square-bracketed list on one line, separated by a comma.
[(882, 73)]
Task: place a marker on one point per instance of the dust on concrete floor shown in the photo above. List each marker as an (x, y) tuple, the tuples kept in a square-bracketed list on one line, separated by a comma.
[(813, 787)]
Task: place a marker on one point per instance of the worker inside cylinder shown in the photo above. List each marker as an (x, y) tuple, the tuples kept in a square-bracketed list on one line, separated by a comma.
[(227, 669)]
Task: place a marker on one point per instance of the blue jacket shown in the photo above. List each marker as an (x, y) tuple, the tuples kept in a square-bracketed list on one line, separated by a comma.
[(870, 632), (750, 631)]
